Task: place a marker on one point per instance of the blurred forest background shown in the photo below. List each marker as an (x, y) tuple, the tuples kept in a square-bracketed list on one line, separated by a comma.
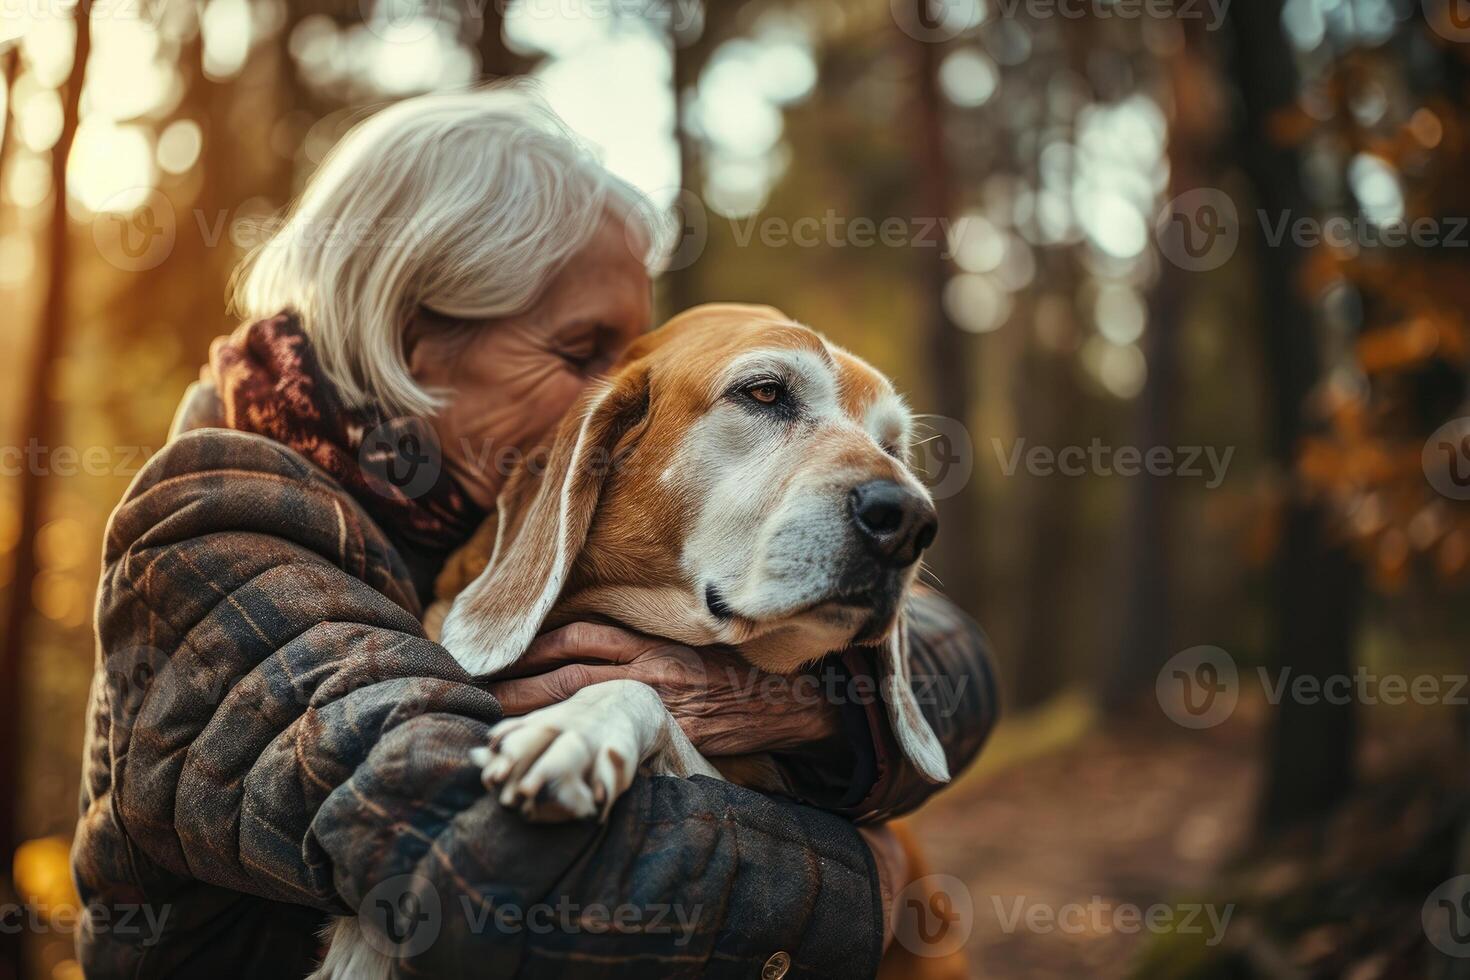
[(147, 145)]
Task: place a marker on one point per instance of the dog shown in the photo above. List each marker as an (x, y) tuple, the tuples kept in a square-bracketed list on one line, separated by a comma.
[(737, 480)]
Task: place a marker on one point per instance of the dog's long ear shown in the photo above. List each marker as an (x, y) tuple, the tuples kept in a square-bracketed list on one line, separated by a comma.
[(910, 727), (543, 526)]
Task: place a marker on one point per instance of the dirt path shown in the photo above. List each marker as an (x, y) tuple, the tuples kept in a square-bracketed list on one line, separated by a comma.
[(1135, 813)]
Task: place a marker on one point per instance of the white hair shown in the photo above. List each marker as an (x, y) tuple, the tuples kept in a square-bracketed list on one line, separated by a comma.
[(463, 203)]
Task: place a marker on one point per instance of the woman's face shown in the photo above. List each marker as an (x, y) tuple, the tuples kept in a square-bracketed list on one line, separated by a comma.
[(518, 375)]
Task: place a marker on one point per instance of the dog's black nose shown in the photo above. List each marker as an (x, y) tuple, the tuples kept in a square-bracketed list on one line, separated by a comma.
[(895, 523)]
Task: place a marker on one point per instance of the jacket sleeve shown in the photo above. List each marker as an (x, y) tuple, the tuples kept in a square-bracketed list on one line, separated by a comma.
[(280, 726), (862, 774)]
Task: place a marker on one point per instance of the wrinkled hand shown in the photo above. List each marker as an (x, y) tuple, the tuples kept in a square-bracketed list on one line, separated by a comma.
[(724, 705)]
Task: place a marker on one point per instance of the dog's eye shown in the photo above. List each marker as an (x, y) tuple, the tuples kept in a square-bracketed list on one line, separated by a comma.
[(765, 392)]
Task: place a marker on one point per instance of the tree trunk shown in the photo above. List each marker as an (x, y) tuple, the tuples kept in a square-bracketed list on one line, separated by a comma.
[(692, 41), (496, 60), (947, 354), (10, 946), (681, 285), (1051, 402), (38, 423), (11, 69), (1145, 629), (1317, 588)]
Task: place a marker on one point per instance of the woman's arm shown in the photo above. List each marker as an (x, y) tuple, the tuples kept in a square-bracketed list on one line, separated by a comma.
[(827, 728), (689, 876), (299, 739)]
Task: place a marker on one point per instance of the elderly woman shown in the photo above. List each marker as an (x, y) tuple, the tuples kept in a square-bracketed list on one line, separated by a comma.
[(273, 740)]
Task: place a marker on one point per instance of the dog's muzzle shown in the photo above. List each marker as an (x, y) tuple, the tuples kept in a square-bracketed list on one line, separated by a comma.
[(894, 522), (894, 525)]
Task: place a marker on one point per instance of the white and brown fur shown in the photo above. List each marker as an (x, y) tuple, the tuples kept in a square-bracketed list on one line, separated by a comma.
[(671, 506)]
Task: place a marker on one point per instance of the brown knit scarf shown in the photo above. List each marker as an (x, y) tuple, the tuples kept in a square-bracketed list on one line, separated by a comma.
[(269, 382)]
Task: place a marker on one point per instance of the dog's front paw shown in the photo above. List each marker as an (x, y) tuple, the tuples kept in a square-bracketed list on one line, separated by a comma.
[(563, 762)]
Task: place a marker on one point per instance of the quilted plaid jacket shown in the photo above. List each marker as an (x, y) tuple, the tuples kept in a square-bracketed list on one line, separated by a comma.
[(272, 741)]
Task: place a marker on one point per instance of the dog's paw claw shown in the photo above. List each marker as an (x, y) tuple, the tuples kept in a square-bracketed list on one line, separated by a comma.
[(556, 764)]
